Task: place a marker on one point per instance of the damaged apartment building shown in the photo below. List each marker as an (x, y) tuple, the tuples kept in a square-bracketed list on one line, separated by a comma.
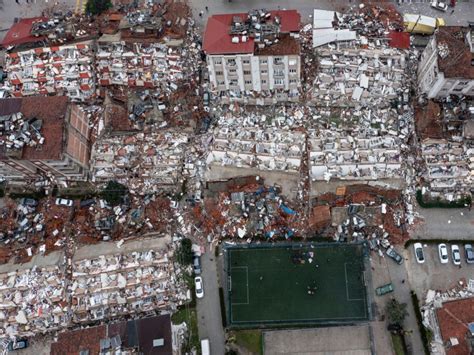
[(446, 66), (62, 70), (254, 57), (361, 90), (43, 137)]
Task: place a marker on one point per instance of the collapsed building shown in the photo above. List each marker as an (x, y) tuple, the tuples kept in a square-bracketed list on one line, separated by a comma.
[(43, 137), (42, 300), (61, 70), (446, 66), (254, 57)]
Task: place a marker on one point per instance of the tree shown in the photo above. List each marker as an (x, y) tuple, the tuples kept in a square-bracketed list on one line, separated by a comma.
[(114, 193), (96, 7), (184, 254), (396, 311)]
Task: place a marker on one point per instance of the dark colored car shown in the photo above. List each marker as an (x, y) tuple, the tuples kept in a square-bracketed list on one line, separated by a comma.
[(206, 97), (469, 253), (29, 202), (20, 344), (87, 203), (197, 264), (394, 255)]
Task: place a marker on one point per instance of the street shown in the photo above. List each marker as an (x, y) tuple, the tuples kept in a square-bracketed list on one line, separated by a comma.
[(208, 308), (387, 271)]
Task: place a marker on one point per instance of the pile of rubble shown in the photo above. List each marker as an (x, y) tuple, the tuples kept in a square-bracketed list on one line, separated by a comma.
[(32, 301), (62, 70), (146, 162), (17, 132), (37, 301), (116, 285)]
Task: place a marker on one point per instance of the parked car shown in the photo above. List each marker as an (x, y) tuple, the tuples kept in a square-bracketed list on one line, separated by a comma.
[(197, 264), (206, 97), (87, 203), (443, 253), (382, 290), (29, 202), (64, 202), (439, 5), (199, 287), (456, 254), (420, 257), (394, 255), (469, 254), (19, 344)]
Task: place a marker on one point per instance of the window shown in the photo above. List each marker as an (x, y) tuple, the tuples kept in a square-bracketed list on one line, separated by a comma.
[(231, 61), (246, 72), (293, 71), (278, 72), (233, 83), (263, 61), (278, 81), (246, 61), (221, 83), (233, 71), (292, 81), (278, 60), (217, 61), (264, 71), (248, 82), (219, 72), (264, 81)]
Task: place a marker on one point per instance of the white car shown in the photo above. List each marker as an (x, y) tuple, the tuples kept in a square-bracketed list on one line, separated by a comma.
[(439, 5), (456, 255), (443, 253), (64, 202), (199, 287), (420, 257)]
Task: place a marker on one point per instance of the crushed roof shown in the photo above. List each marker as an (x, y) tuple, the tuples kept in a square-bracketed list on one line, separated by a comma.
[(457, 60), (20, 32), (218, 40), (399, 40)]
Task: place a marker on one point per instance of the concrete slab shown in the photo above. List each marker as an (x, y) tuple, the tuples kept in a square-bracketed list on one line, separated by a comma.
[(351, 340)]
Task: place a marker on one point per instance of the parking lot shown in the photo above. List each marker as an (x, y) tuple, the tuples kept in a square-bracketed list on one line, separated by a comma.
[(434, 275)]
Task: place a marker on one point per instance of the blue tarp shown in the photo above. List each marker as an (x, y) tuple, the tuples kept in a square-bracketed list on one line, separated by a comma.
[(287, 210)]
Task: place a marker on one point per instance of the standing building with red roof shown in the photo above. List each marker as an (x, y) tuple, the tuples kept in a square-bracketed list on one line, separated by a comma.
[(257, 52)]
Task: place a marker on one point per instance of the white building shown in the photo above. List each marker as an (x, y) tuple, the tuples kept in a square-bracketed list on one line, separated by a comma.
[(446, 65), (258, 52)]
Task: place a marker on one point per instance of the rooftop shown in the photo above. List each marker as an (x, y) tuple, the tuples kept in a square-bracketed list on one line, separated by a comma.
[(51, 111), (134, 333), (20, 32), (454, 54), (218, 39), (453, 321)]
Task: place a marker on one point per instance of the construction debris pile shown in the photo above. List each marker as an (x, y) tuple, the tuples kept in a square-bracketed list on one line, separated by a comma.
[(62, 70), (264, 149), (17, 132), (116, 285), (145, 162), (36, 301), (32, 302), (446, 135)]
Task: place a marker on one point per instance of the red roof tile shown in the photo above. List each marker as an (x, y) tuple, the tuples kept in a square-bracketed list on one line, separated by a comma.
[(20, 32), (217, 39)]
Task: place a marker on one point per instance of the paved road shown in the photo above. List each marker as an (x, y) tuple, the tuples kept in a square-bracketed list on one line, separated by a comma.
[(444, 224), (386, 271), (208, 308)]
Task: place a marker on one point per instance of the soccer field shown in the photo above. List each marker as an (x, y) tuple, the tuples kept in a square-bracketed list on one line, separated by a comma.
[(296, 284)]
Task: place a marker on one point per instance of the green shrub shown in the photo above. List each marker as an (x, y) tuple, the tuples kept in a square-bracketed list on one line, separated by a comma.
[(184, 254), (114, 193), (96, 7)]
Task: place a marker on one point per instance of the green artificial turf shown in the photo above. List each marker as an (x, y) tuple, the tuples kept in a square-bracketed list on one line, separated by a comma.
[(269, 284)]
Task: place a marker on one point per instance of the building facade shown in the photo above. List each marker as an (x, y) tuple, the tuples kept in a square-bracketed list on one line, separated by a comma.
[(446, 65), (256, 52)]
